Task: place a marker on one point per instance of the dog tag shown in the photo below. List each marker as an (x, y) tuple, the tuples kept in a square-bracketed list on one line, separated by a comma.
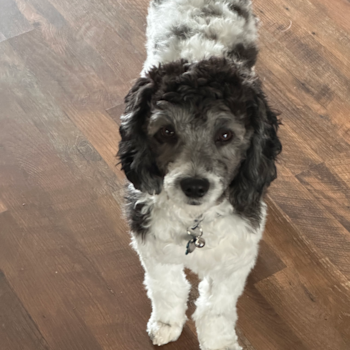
[(196, 241), (199, 242), (191, 246)]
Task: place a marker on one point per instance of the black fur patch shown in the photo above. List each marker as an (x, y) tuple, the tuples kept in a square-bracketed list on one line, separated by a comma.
[(211, 12), (239, 10), (155, 3), (258, 169), (181, 31), (136, 215), (248, 54), (211, 36)]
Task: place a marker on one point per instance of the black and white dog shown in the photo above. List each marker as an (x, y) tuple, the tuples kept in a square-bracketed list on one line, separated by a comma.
[(198, 145)]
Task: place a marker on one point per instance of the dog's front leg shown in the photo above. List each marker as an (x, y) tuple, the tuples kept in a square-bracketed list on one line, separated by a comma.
[(168, 290), (216, 313)]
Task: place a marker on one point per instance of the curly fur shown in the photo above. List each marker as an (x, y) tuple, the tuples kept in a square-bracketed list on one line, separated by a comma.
[(199, 79)]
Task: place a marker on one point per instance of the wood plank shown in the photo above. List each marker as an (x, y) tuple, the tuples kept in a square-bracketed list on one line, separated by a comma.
[(50, 119), (322, 72), (98, 27), (293, 21), (338, 11), (300, 122), (326, 288), (298, 112), (299, 101), (12, 21), (298, 306), (312, 219), (18, 330), (313, 73), (65, 85), (3, 207), (337, 112), (263, 327), (267, 264), (94, 123), (37, 241), (330, 184), (243, 341)]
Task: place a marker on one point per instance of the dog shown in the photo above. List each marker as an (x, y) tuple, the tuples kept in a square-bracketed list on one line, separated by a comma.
[(198, 145)]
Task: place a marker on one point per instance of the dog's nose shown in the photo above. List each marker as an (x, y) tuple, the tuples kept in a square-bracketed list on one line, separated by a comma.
[(193, 187)]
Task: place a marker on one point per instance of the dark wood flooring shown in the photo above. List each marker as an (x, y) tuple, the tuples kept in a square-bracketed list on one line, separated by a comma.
[(69, 279)]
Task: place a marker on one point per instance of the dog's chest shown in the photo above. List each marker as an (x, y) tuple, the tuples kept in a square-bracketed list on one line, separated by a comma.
[(227, 237)]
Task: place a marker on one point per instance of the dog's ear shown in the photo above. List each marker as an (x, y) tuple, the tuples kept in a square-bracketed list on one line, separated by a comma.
[(135, 154), (258, 169)]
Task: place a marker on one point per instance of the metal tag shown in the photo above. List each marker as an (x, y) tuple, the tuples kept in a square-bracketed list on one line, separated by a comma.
[(196, 241), (199, 242), (191, 246)]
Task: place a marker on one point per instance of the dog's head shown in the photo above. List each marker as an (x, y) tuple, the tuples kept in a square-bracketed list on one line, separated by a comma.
[(199, 132)]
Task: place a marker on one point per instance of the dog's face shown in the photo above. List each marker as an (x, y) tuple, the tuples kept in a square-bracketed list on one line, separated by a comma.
[(199, 132), (197, 148)]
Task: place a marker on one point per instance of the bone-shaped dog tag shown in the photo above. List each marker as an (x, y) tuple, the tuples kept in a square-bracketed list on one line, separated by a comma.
[(191, 246)]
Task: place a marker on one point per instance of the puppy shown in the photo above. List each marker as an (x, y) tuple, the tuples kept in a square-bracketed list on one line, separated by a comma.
[(198, 145)]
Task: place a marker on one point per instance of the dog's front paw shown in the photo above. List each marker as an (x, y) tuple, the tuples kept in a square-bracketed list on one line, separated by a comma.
[(163, 333)]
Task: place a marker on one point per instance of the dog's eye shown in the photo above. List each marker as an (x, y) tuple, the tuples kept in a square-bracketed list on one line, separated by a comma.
[(166, 134), (223, 136)]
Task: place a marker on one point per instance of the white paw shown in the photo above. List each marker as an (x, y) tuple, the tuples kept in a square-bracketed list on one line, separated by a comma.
[(162, 333)]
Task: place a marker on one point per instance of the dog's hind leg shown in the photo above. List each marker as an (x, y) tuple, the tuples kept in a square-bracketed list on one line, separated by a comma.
[(168, 290)]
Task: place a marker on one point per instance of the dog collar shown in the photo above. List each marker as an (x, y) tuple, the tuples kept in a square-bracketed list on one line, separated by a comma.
[(195, 232)]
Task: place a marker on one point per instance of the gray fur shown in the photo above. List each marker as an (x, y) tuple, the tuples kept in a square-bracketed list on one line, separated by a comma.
[(137, 211), (241, 10), (181, 31), (196, 127)]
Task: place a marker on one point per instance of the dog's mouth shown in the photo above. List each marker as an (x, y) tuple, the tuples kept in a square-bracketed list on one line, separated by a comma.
[(194, 202)]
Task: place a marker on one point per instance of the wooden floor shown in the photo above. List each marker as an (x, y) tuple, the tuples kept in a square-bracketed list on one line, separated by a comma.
[(69, 279)]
